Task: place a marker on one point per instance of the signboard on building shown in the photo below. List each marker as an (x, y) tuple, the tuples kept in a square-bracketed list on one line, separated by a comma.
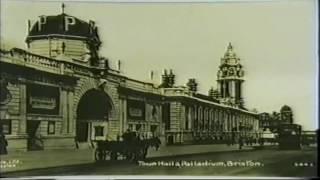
[(136, 109), (42, 99)]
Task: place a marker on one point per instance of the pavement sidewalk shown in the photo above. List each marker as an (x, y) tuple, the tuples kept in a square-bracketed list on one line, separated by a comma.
[(193, 149), (18, 161)]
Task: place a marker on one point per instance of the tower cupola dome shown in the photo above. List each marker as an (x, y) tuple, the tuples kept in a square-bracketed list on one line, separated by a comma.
[(64, 25), (64, 37)]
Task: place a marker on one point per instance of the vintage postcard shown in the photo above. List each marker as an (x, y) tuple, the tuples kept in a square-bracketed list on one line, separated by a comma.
[(162, 89)]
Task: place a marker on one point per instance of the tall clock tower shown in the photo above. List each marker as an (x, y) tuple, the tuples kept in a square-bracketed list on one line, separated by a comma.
[(230, 79)]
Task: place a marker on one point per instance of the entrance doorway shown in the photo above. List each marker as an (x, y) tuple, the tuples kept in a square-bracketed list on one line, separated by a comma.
[(170, 140), (34, 141), (82, 131), (94, 106)]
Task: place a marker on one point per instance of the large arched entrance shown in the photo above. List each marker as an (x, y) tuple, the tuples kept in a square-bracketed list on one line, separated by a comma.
[(93, 113)]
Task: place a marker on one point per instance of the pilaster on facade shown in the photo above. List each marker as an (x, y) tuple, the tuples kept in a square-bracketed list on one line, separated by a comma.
[(64, 110), (70, 121), (23, 110)]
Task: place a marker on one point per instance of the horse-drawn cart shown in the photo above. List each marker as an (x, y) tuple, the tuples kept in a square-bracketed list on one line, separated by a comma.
[(132, 148)]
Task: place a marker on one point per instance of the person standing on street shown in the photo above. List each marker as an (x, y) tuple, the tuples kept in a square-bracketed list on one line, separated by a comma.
[(240, 142), (3, 143)]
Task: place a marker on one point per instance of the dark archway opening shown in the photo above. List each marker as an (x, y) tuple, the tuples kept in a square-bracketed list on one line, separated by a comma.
[(94, 105)]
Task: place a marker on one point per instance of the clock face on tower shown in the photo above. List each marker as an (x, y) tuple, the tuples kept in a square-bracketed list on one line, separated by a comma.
[(241, 73), (231, 71)]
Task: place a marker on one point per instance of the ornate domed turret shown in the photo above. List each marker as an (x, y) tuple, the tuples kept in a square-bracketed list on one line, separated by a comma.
[(285, 108), (230, 57), (64, 37), (64, 25), (230, 53)]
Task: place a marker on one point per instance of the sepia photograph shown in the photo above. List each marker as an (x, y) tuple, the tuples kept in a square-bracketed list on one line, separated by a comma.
[(108, 89)]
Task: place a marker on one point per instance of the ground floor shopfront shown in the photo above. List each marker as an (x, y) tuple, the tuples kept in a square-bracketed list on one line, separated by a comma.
[(59, 120), (42, 116)]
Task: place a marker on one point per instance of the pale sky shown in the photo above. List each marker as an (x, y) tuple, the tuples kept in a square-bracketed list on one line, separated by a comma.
[(276, 41)]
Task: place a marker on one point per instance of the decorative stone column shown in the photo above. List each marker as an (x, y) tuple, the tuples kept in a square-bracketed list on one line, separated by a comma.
[(71, 120), (64, 110), (23, 110)]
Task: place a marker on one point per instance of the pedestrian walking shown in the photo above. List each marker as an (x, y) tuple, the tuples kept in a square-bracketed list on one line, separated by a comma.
[(233, 138), (261, 141), (240, 142), (251, 141), (3, 144)]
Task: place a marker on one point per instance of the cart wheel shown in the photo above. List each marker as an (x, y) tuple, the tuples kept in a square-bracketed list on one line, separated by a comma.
[(128, 156), (113, 156), (103, 155), (139, 155), (108, 155), (97, 155), (145, 153)]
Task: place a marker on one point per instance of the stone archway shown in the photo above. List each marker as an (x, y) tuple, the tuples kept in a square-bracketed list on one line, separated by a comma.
[(93, 113)]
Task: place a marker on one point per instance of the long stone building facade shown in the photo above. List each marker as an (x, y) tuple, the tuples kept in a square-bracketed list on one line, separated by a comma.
[(60, 93)]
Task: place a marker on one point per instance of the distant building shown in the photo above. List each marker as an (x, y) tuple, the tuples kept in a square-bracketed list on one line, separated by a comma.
[(277, 120), (269, 121), (264, 120), (309, 137), (286, 114)]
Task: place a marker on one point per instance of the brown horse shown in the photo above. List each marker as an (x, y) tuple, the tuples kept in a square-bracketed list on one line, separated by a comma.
[(154, 142)]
